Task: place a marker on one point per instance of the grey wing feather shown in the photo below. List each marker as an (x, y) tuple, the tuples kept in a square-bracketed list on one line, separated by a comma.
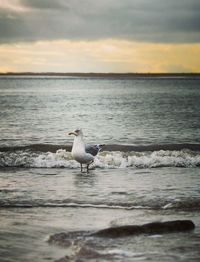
[(93, 149)]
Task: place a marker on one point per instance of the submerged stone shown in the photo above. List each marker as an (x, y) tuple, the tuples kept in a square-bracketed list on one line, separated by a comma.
[(150, 228)]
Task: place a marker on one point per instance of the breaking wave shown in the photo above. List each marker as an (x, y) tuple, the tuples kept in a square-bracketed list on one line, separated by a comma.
[(191, 204), (61, 158)]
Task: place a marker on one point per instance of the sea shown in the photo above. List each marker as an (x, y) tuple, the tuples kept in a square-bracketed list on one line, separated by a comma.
[(148, 170)]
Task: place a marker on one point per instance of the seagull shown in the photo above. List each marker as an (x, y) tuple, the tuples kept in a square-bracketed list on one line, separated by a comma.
[(84, 154)]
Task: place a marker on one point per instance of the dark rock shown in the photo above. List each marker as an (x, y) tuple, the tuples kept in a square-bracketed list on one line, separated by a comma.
[(89, 253), (61, 239), (150, 228), (64, 259)]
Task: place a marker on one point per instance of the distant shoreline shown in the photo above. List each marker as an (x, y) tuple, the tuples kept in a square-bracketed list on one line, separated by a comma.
[(131, 75)]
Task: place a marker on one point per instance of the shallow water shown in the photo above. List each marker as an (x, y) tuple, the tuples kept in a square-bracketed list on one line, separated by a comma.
[(161, 188), (155, 177), (37, 203)]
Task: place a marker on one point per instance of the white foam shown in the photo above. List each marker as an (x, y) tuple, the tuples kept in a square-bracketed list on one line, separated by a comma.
[(106, 160), (148, 160), (120, 252), (59, 159), (128, 254), (168, 206)]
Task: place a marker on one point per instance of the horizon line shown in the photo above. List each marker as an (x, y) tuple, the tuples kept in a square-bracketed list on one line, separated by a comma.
[(99, 73)]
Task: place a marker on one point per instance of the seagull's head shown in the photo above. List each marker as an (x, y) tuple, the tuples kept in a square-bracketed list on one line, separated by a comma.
[(77, 132)]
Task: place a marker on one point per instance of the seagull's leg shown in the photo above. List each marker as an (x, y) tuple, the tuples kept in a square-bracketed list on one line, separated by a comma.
[(89, 165), (81, 168)]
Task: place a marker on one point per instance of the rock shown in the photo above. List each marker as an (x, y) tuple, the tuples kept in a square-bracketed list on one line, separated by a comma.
[(64, 259), (150, 228), (61, 239)]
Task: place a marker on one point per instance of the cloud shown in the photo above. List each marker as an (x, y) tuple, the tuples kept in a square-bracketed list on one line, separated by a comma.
[(175, 21), (99, 56), (45, 4)]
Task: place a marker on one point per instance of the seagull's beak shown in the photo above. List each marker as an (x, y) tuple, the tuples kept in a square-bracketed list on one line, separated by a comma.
[(72, 133)]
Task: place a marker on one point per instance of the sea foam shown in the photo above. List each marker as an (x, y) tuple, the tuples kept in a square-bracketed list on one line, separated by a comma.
[(106, 160)]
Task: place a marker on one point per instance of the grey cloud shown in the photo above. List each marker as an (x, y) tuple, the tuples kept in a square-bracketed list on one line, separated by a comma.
[(45, 4), (139, 20)]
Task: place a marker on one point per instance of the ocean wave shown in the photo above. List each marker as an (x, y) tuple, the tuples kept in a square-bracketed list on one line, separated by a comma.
[(187, 204), (62, 158), (110, 147), (36, 204), (105, 160)]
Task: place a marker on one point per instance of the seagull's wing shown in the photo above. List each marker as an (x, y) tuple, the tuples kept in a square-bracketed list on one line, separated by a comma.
[(93, 149)]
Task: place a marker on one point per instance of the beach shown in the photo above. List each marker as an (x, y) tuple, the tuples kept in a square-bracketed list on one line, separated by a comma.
[(148, 170)]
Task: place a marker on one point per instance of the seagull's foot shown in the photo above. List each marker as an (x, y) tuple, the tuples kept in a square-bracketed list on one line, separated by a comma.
[(88, 167)]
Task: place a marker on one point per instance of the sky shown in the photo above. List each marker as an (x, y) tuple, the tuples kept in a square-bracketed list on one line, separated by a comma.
[(100, 36)]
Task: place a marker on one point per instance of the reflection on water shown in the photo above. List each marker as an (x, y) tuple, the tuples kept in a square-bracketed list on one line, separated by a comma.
[(83, 180)]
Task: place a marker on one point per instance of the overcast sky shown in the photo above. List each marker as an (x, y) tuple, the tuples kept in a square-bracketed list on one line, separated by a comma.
[(119, 24)]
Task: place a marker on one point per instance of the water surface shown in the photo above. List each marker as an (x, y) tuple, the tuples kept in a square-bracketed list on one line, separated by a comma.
[(154, 177)]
